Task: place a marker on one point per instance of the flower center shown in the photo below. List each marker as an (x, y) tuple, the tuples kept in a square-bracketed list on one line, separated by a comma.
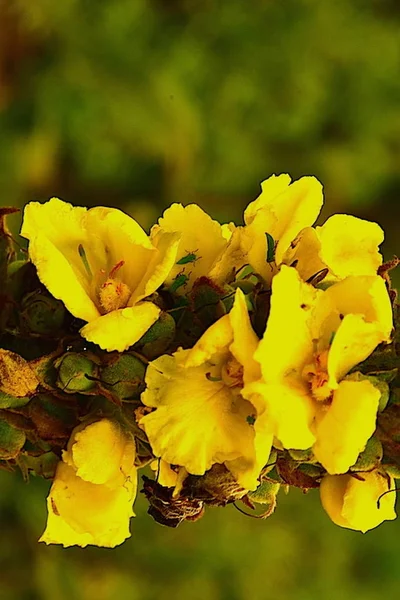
[(316, 373), (114, 293), (232, 373)]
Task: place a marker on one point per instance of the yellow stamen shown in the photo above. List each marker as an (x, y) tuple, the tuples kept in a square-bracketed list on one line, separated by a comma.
[(317, 376)]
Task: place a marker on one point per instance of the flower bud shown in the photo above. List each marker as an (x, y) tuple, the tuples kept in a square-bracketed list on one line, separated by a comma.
[(73, 369), (42, 314), (158, 338), (358, 503), (124, 377)]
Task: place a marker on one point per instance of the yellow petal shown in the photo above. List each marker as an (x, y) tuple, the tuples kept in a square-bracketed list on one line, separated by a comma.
[(123, 239), (245, 341), (271, 188), (197, 422), (121, 328), (215, 340), (353, 503), (365, 295), (354, 341), (55, 231), (82, 513), (289, 412), (234, 256), (165, 475), (246, 470), (159, 267), (101, 453), (304, 253), (349, 246), (287, 344), (201, 241), (343, 428)]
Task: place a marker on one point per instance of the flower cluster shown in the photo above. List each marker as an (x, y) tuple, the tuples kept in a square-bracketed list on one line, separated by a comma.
[(233, 360)]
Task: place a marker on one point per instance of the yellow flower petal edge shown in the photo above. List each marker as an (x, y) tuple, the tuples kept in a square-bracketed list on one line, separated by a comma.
[(94, 507), (350, 246), (287, 342), (343, 430), (357, 503), (121, 328)]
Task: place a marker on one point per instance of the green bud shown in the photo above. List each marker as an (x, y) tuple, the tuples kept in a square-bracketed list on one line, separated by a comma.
[(73, 369), (370, 458), (124, 376), (42, 314), (158, 338), (11, 441)]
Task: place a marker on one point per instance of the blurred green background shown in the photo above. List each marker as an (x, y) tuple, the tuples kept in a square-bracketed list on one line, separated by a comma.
[(139, 103)]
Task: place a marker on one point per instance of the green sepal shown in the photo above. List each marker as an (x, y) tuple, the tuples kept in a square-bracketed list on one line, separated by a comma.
[(11, 441), (265, 493), (370, 458), (158, 338), (8, 401)]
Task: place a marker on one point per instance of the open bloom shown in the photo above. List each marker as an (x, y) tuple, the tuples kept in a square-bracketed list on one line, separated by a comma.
[(272, 221), (90, 501), (312, 340), (358, 503), (102, 265), (200, 416)]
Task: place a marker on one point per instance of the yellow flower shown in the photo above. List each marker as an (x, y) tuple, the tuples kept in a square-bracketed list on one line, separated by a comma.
[(357, 503), (201, 242), (102, 265), (344, 245), (90, 500), (200, 416), (272, 221), (312, 340)]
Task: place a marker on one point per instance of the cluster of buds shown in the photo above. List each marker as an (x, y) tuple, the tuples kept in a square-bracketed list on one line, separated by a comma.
[(230, 361)]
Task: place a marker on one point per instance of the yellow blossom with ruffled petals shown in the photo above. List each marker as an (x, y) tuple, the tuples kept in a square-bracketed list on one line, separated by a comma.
[(359, 503), (200, 416), (312, 340), (102, 265), (90, 500), (272, 221)]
